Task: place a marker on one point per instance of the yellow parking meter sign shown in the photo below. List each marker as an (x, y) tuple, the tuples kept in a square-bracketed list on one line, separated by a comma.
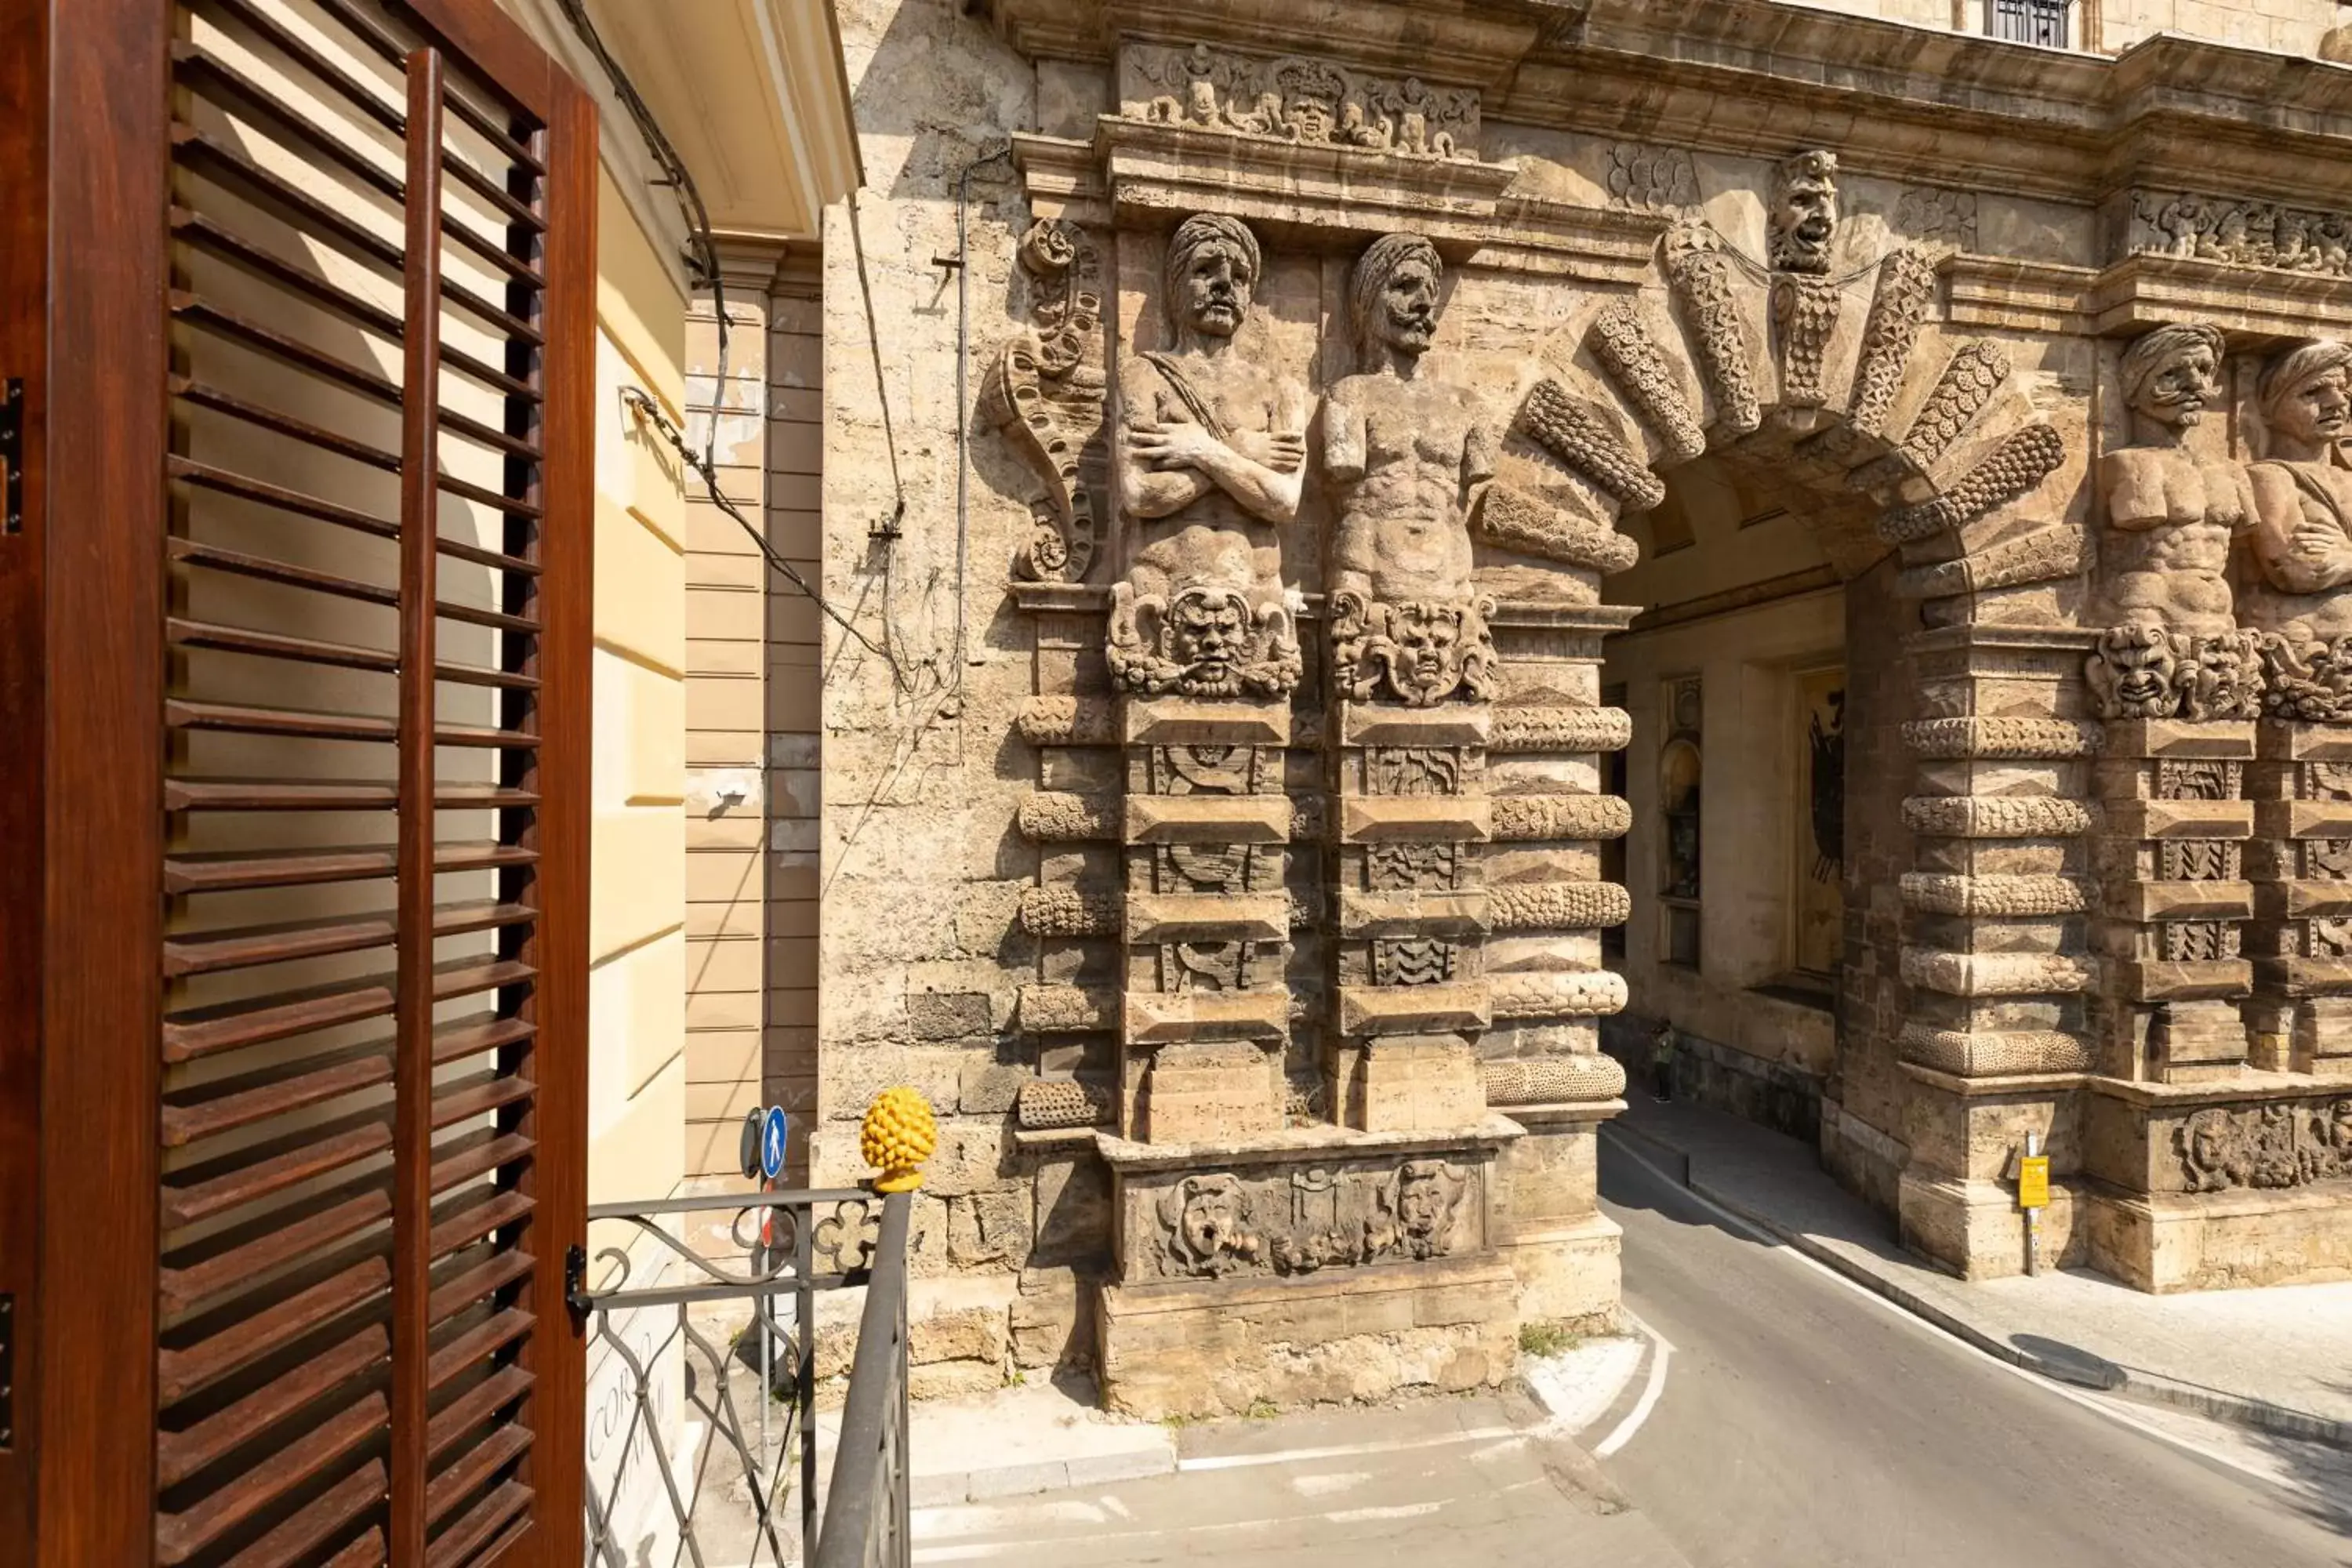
[(2033, 1182)]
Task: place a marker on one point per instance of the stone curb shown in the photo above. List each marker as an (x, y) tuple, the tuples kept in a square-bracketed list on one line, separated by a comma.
[(2243, 1410), (949, 1488)]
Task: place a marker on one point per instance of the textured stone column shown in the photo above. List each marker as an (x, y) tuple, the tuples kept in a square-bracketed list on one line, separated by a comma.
[(1203, 1011), (1994, 966), (2300, 863), (2169, 854), (1410, 788)]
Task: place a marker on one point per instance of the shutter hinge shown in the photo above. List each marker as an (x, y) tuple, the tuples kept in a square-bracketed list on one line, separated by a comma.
[(8, 1372), (12, 456), (575, 1284)]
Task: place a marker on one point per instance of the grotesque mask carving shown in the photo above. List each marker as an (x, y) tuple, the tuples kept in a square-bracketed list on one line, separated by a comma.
[(1804, 217), (1419, 653)]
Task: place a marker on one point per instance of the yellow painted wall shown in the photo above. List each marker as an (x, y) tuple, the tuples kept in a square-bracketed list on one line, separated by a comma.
[(636, 1100)]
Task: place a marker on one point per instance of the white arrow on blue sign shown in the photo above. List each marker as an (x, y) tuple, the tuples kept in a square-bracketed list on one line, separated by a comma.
[(772, 1143)]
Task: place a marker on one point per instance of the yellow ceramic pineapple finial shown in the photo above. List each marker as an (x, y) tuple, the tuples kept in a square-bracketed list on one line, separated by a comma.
[(897, 1136)]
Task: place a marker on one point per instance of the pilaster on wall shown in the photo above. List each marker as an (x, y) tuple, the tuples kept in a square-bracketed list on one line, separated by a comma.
[(2299, 865), (1995, 966), (750, 671)]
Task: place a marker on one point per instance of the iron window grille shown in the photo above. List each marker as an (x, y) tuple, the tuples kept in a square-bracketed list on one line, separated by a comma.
[(2043, 22)]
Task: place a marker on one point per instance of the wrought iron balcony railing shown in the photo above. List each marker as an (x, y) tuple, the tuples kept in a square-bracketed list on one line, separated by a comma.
[(703, 1396)]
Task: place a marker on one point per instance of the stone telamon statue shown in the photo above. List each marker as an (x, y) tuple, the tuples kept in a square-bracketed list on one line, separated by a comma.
[(1211, 455), (1406, 454), (1803, 221), (2300, 548), (2165, 554)]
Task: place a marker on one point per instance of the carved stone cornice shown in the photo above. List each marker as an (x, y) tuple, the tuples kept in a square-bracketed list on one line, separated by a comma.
[(1471, 43)]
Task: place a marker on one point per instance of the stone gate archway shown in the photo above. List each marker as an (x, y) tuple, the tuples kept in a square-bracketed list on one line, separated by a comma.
[(1314, 934)]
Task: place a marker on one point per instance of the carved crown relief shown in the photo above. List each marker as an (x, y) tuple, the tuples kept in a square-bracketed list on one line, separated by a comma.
[(1294, 99)]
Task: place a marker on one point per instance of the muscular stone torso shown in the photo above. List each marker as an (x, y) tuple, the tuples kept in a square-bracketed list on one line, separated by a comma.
[(2165, 557), (1401, 534), (2300, 582)]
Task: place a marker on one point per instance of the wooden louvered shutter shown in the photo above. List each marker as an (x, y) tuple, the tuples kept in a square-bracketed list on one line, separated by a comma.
[(313, 788)]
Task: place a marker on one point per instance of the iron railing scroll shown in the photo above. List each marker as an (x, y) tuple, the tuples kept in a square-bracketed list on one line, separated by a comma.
[(865, 1521), (702, 1401)]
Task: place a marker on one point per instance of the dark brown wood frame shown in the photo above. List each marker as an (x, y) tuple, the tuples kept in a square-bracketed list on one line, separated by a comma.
[(83, 192)]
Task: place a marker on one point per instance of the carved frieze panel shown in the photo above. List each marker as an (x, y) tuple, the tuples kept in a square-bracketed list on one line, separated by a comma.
[(1303, 1219), (2269, 1146), (1651, 179), (1413, 769), (2240, 232), (1412, 866), (1186, 967), (1215, 770), (2199, 941), (1231, 868), (1415, 961), (1939, 216), (2199, 859), (1292, 97), (2198, 778)]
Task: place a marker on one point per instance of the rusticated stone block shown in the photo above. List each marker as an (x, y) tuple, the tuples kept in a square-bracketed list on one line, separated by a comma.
[(1955, 895), (1972, 1053), (1532, 728), (1559, 906), (1557, 994), (1067, 1010), (1067, 912), (1068, 721), (1053, 818), (1512, 520), (1996, 817), (2003, 738), (1998, 973), (1553, 1081), (1047, 1103)]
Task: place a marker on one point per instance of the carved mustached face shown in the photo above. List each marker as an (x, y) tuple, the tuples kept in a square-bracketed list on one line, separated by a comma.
[(2315, 411), (2188, 380), (1217, 288), (2208, 1140), (1208, 636), (1407, 314), (1804, 217)]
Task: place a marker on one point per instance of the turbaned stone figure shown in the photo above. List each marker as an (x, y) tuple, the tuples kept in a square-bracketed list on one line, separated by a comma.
[(2300, 543), (1211, 456), (2172, 647), (1406, 454)]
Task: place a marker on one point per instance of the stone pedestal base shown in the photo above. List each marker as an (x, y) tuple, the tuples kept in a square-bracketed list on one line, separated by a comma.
[(1219, 1346), (1976, 1229), (2208, 1241), (1568, 1274), (1404, 1083)]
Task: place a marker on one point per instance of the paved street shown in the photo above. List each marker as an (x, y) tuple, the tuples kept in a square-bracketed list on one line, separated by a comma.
[(1430, 1484), (1803, 1425)]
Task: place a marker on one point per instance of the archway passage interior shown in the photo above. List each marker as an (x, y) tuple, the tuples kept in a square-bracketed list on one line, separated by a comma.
[(1766, 684)]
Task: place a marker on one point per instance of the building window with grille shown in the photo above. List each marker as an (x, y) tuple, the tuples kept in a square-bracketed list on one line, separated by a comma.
[(2039, 22)]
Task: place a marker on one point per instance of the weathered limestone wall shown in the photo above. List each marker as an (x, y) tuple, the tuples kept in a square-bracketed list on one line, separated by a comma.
[(2288, 26), (919, 870)]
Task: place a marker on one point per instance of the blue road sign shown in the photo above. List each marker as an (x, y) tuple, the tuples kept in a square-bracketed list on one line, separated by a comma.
[(772, 1143)]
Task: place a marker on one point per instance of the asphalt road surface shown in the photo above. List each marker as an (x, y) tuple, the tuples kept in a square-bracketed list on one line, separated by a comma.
[(1803, 1425)]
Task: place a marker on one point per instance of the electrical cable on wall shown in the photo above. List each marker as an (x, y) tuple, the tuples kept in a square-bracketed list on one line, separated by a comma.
[(703, 255)]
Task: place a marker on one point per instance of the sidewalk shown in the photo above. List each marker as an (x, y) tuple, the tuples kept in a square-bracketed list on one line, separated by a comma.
[(2279, 1358)]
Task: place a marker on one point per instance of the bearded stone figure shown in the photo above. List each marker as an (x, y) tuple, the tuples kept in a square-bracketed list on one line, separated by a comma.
[(2174, 648), (2301, 544), (1210, 454), (1407, 455), (1803, 221)]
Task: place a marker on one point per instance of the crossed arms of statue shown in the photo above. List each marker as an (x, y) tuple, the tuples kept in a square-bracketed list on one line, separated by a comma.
[(2299, 537), (1167, 465)]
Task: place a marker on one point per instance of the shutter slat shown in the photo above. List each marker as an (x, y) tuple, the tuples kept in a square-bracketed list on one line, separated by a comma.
[(203, 1031), (278, 1243), (250, 1180), (180, 1455), (321, 795), (476, 1405), (227, 872), (276, 1092), (472, 1223), (204, 953), (479, 1342), (488, 1277), (180, 1373), (296, 1543), (181, 1536), (473, 1467), (467, 1540)]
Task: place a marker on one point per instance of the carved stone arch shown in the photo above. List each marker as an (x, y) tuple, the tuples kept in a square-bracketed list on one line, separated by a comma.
[(1904, 433)]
